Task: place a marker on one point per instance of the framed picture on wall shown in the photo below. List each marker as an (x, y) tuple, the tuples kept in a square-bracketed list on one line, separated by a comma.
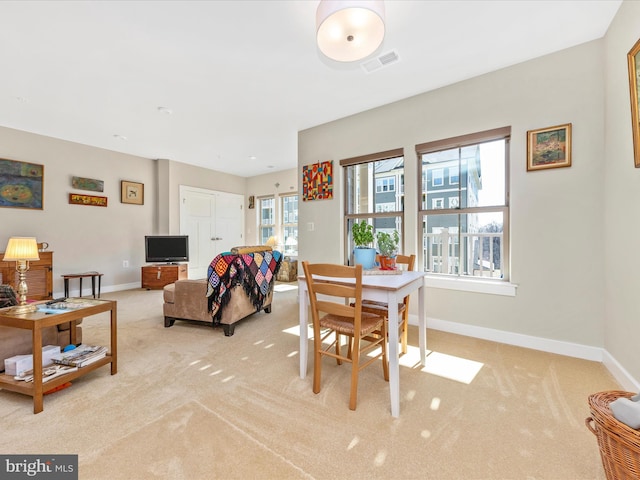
[(21, 184), (132, 192), (549, 147), (633, 59)]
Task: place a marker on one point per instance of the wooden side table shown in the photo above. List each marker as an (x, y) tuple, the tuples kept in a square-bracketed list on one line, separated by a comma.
[(40, 319), (93, 276), (288, 270)]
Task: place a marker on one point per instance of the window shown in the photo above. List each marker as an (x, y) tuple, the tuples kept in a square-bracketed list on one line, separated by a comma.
[(267, 219), (387, 184), (437, 203), (467, 235), (289, 208), (374, 191), (454, 175), (437, 177)]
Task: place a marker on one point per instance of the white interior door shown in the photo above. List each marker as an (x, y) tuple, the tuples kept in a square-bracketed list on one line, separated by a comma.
[(214, 222)]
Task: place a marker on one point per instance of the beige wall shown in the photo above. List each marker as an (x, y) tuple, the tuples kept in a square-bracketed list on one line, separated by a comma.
[(621, 226), (284, 182), (556, 215), (82, 237), (95, 238)]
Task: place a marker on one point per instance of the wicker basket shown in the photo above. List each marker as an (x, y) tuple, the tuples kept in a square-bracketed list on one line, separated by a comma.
[(619, 444)]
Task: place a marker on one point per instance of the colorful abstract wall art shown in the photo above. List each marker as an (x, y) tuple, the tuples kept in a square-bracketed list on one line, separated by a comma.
[(21, 184), (317, 181)]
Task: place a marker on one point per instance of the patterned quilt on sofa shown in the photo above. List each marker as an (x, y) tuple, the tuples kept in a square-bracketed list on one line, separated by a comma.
[(256, 272)]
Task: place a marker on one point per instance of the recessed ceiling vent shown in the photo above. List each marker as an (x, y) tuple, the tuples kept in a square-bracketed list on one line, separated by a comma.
[(380, 61)]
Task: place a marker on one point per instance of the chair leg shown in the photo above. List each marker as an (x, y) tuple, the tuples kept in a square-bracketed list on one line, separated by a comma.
[(355, 367), (405, 330), (385, 358), (338, 347), (317, 359)]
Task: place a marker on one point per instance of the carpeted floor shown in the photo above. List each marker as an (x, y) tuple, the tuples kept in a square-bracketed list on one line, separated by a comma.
[(190, 403)]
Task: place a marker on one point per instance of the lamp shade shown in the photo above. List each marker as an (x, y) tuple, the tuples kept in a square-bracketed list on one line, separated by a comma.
[(349, 30), (21, 248), (272, 241)]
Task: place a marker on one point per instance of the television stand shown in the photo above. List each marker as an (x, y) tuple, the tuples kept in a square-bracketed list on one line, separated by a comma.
[(156, 276)]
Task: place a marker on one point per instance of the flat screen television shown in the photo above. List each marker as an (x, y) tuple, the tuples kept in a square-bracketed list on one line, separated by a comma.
[(166, 248)]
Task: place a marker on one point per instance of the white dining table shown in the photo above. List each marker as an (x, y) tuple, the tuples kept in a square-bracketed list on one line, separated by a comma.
[(390, 289)]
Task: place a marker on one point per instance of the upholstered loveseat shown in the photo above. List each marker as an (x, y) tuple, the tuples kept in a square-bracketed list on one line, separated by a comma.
[(240, 283)]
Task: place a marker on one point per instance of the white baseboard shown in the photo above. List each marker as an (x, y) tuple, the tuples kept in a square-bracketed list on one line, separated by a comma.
[(104, 289), (627, 382), (543, 344)]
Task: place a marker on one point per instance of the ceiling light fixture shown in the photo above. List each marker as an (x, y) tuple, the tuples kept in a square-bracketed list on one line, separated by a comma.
[(349, 30)]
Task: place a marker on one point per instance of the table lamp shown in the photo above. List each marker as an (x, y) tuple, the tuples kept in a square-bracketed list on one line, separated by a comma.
[(21, 250), (272, 241)]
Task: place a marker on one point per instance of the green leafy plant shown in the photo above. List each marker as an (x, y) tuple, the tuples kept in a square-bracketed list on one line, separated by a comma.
[(362, 234), (388, 243)]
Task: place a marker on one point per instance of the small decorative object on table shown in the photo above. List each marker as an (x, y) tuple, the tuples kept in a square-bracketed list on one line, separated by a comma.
[(388, 246)]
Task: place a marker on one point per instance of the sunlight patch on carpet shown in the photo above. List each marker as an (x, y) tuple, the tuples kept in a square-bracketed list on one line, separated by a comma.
[(284, 288), (452, 367)]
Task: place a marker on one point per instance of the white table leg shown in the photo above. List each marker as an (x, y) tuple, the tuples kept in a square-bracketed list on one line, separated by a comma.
[(303, 300), (393, 352)]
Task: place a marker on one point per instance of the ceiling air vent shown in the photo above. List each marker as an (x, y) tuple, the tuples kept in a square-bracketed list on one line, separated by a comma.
[(380, 61)]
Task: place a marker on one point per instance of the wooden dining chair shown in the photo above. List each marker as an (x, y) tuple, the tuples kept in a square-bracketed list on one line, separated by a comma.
[(333, 313), (382, 309)]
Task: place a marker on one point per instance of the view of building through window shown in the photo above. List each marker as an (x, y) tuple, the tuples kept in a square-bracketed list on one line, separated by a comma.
[(464, 207), (375, 192), (279, 226), (463, 202)]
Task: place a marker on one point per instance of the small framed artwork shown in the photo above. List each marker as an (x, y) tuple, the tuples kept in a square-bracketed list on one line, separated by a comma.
[(91, 200), (132, 192), (87, 184), (633, 59), (549, 147), (252, 202)]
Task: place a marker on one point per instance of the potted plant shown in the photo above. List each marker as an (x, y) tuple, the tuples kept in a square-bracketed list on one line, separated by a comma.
[(388, 247), (363, 253)]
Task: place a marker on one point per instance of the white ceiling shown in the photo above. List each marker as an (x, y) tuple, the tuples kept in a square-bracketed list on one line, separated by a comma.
[(243, 77)]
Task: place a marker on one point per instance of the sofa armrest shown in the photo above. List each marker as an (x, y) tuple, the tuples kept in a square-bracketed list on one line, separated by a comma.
[(186, 299)]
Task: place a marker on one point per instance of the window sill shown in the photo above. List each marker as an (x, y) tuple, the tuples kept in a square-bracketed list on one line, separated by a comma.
[(471, 285)]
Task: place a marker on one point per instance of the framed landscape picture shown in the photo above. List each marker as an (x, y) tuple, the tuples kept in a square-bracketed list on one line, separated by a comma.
[(549, 147), (21, 184), (132, 192)]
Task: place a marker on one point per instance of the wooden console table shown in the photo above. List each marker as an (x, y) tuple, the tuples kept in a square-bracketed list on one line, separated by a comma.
[(36, 322), (39, 276), (155, 277)]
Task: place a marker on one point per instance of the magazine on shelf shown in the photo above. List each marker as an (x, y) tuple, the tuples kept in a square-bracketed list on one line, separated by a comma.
[(48, 373), (80, 356)]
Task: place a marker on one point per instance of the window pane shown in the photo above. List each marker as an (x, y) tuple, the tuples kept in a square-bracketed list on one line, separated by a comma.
[(265, 233), (374, 183), (475, 176), (466, 244), (267, 211), (290, 209)]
